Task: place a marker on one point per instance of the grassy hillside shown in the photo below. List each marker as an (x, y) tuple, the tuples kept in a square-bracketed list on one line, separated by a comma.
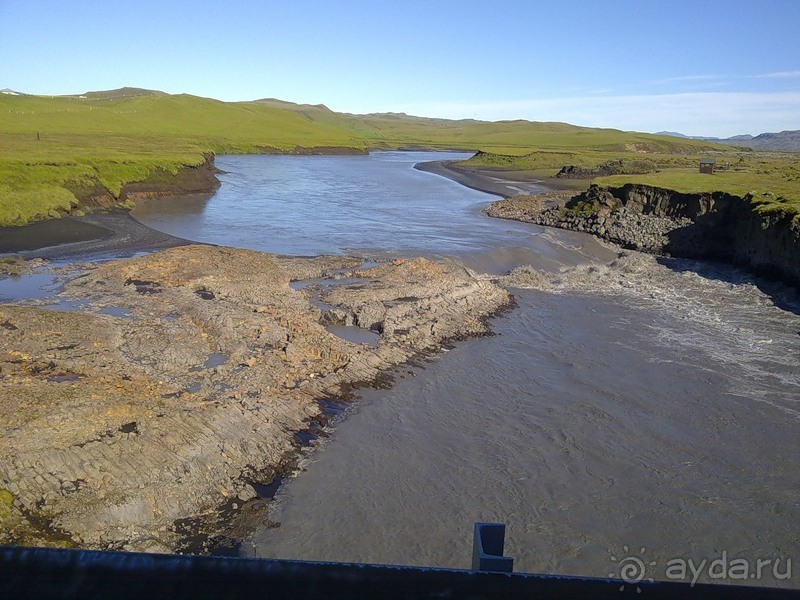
[(45, 178), (52, 148), (202, 121), (508, 138), (56, 152)]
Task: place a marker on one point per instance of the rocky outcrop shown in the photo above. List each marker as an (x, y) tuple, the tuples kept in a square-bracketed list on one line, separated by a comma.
[(185, 375), (615, 166), (716, 225)]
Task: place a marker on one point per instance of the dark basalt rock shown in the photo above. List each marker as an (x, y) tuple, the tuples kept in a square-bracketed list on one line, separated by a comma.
[(714, 225)]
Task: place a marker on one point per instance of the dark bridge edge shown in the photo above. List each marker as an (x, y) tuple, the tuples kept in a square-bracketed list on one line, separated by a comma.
[(68, 574)]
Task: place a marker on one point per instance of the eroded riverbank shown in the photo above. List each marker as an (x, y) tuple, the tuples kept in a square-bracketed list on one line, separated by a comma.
[(711, 226)]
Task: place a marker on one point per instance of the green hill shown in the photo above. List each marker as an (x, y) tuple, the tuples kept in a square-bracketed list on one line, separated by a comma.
[(511, 137), (58, 154), (186, 119)]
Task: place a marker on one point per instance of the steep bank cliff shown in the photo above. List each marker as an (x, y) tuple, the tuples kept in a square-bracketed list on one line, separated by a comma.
[(716, 225), (188, 179)]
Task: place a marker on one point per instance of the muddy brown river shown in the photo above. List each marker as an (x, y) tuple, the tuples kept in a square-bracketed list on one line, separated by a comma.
[(626, 409)]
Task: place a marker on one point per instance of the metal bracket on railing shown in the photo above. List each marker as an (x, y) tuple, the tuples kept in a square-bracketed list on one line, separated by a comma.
[(487, 548)]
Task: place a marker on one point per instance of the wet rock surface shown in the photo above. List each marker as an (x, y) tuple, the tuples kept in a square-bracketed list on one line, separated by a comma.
[(117, 428), (616, 223)]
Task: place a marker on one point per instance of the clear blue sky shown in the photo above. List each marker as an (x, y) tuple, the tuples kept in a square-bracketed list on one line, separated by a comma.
[(701, 68)]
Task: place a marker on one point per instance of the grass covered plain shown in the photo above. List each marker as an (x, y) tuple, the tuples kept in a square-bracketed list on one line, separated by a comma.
[(56, 152)]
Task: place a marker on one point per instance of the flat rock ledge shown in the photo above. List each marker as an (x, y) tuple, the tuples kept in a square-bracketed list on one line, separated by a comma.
[(184, 376)]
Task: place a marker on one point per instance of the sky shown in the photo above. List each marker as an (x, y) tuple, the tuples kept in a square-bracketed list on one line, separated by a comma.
[(715, 68)]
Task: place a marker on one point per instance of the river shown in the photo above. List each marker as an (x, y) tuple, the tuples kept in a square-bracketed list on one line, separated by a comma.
[(639, 408)]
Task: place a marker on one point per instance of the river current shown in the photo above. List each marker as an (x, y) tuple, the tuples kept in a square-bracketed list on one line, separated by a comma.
[(628, 407)]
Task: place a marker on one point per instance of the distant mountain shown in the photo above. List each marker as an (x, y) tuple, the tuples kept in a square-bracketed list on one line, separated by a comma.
[(674, 134), (730, 140), (123, 92), (293, 106), (786, 141)]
